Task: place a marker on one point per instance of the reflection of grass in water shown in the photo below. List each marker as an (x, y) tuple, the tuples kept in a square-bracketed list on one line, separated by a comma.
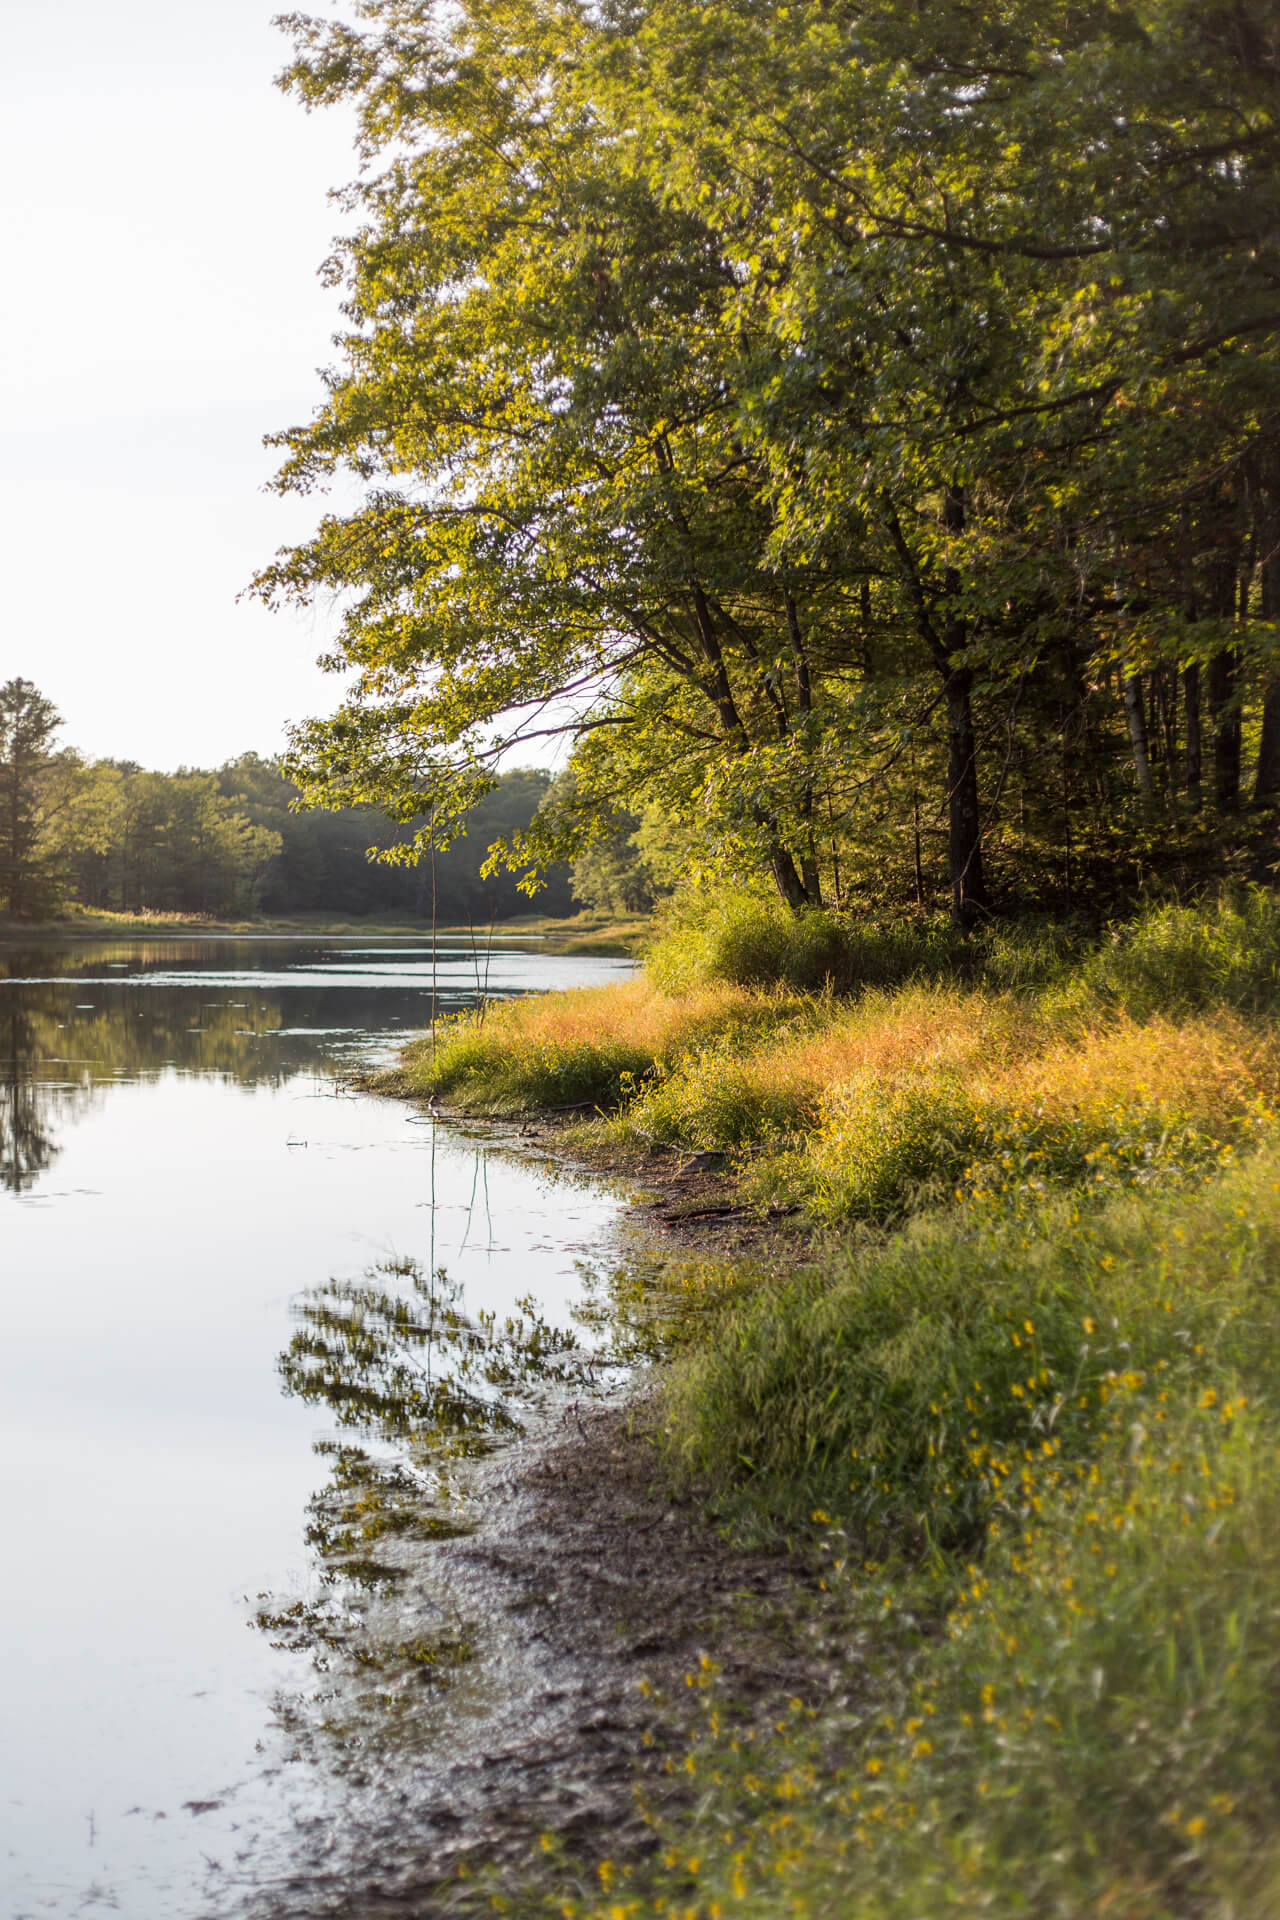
[(370, 1504), (397, 1357), (323, 1631)]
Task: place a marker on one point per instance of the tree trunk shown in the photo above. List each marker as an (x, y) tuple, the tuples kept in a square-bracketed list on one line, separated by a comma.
[(1220, 684), (1226, 730), (787, 879), (1193, 767), (964, 820), (1165, 684), (804, 707), (1266, 779), (1136, 720)]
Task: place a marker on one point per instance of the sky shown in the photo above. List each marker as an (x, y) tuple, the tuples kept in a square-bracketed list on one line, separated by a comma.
[(165, 212)]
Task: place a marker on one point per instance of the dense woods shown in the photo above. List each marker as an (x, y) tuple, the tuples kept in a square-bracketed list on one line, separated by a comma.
[(111, 835), (855, 427)]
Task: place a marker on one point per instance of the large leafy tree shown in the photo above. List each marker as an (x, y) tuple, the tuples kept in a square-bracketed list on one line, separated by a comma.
[(1020, 265), (564, 531), (772, 399), (28, 794)]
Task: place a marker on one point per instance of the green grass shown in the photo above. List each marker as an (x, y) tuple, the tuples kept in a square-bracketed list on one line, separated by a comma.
[(1037, 1451), (875, 1384), (1022, 1402)]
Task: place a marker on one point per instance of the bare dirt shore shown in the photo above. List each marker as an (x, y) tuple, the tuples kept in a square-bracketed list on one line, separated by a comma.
[(597, 1595), (600, 1596)]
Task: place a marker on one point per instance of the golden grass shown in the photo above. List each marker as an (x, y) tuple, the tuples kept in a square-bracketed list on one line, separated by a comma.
[(632, 1012), (921, 1032), (1211, 1066)]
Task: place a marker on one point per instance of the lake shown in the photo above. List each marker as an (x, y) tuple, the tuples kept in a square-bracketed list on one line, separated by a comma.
[(260, 1334)]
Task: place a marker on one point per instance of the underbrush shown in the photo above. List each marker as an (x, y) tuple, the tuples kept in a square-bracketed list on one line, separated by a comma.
[(748, 941), (1022, 1406), (1039, 1458), (589, 1046), (1222, 952)]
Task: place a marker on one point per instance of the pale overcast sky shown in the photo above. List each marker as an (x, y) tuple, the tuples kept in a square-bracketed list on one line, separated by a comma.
[(165, 214)]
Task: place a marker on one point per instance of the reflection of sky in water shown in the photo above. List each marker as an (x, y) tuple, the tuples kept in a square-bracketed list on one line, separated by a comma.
[(181, 1166)]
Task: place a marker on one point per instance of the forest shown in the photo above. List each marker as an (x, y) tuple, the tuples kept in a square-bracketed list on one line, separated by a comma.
[(110, 835), (854, 430)]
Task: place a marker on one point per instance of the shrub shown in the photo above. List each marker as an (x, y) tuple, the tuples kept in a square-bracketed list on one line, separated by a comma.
[(709, 1099), (1222, 953)]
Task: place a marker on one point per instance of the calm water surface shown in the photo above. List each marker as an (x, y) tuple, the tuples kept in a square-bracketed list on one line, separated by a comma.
[(256, 1328)]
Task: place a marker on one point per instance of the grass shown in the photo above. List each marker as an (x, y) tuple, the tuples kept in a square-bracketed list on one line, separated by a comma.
[(1021, 1402), (1036, 1450), (588, 1046)]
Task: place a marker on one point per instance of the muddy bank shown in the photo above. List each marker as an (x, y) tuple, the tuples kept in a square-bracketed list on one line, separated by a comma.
[(580, 1602), (592, 1596)]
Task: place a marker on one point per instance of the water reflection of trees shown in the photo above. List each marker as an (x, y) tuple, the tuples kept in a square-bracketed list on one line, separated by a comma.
[(128, 1033), (57, 1056), (397, 1359), (399, 1356), (27, 1144), (91, 956)]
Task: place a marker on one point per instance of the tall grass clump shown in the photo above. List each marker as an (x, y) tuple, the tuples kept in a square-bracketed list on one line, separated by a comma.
[(752, 942), (590, 1046), (731, 935), (877, 1386), (1223, 953)]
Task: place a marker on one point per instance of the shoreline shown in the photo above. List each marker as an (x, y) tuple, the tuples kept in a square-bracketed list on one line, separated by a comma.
[(606, 935), (972, 1283), (622, 1604)]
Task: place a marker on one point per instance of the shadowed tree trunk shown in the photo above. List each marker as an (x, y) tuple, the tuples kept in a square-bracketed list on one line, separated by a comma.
[(964, 821), (1193, 768), (1220, 687), (1266, 780), (1136, 720), (1225, 716)]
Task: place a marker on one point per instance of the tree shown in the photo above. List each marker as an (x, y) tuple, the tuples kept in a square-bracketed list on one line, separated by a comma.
[(795, 406), (563, 532), (28, 724)]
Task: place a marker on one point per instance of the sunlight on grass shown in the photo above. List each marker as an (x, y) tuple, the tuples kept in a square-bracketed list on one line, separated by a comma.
[(1021, 1401)]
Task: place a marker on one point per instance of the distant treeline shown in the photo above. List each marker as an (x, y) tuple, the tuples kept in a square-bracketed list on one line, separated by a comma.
[(109, 834), (226, 842)]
